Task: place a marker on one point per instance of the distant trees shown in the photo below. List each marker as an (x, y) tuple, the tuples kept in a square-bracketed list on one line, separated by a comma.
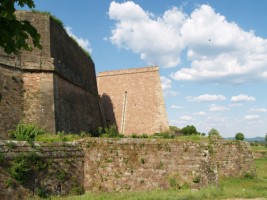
[(214, 132), (239, 136), (189, 130)]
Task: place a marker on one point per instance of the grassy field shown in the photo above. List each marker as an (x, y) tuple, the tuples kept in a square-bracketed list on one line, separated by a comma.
[(259, 148), (228, 188)]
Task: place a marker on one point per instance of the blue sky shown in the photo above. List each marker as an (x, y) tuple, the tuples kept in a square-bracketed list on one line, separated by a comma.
[(212, 54)]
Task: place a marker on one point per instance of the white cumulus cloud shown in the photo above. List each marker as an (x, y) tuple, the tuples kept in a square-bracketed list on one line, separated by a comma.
[(177, 107), (201, 113), (206, 97), (242, 97), (258, 110), (217, 50), (216, 108), (252, 117), (156, 40), (186, 118), (235, 105), (165, 83), (170, 93), (84, 43)]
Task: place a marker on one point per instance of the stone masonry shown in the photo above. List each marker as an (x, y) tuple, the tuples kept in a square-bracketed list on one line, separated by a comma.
[(54, 87), (127, 164), (133, 100)]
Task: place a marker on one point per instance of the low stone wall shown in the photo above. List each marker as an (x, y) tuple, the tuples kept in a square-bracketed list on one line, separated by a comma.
[(127, 164), (259, 154), (58, 170), (233, 158), (142, 164)]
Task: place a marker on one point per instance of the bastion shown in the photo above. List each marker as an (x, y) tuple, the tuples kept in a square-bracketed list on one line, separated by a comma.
[(54, 87), (133, 100)]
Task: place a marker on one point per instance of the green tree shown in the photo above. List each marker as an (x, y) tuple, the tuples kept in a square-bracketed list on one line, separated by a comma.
[(239, 136), (14, 34), (214, 132), (190, 130)]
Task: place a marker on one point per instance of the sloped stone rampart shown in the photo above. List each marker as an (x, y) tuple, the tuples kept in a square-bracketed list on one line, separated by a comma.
[(54, 87)]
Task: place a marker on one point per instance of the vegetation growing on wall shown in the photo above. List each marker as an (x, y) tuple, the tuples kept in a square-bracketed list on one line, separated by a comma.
[(57, 20), (26, 132), (37, 174)]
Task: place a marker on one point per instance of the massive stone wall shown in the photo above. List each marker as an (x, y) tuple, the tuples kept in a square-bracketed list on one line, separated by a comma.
[(54, 87), (133, 100)]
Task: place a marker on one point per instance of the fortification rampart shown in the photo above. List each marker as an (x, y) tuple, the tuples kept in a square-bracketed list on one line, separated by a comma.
[(133, 100), (54, 87), (100, 164)]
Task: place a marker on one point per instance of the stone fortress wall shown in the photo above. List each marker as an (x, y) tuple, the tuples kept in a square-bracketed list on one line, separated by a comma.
[(54, 87), (133, 100)]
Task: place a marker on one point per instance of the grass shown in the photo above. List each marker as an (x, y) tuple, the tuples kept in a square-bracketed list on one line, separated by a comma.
[(56, 138), (259, 148), (228, 188)]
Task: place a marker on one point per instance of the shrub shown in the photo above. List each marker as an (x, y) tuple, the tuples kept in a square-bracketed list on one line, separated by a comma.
[(19, 171), (239, 136), (214, 132), (41, 192), (175, 130), (26, 132), (164, 135), (134, 135), (189, 130), (10, 183), (22, 166), (77, 190), (61, 175), (112, 132), (11, 145)]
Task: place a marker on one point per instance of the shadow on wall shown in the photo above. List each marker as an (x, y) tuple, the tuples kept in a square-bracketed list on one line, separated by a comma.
[(108, 110), (11, 100)]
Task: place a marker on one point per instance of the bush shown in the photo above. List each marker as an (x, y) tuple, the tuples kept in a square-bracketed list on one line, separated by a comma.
[(175, 130), (111, 132), (77, 190), (214, 132), (190, 130), (239, 136), (164, 135), (26, 132), (22, 166)]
